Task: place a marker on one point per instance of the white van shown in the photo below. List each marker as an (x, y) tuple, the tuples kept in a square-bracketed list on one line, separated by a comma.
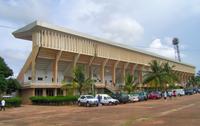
[(106, 99), (179, 92)]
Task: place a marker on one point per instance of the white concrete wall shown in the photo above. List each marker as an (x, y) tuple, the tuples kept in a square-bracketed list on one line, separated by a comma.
[(46, 75)]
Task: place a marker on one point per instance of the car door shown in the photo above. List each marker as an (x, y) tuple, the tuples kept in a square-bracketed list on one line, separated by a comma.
[(83, 99)]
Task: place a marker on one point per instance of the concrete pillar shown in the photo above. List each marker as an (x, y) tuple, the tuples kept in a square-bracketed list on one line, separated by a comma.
[(44, 93), (102, 74), (114, 73), (140, 78), (55, 67), (64, 92), (124, 72), (33, 71), (55, 92)]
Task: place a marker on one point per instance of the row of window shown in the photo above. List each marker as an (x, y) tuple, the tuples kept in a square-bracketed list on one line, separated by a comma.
[(49, 92)]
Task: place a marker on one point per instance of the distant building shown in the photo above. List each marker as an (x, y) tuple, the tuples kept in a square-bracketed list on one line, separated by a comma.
[(56, 51)]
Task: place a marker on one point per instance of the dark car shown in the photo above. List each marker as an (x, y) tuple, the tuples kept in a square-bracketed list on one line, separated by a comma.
[(189, 92), (122, 97), (142, 96), (198, 90), (154, 95)]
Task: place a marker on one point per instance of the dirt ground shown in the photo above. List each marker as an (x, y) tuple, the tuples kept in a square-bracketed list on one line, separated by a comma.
[(183, 111)]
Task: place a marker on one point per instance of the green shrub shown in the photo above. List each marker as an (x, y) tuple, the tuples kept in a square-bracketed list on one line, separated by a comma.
[(13, 102), (53, 100)]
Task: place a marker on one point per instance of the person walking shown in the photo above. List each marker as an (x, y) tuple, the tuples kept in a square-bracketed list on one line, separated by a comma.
[(99, 99), (165, 95), (3, 103)]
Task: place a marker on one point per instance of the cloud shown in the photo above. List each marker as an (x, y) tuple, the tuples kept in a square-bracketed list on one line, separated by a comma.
[(123, 29), (164, 48)]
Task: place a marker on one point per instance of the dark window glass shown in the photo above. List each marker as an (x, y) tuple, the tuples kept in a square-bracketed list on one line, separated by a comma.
[(40, 78), (38, 92)]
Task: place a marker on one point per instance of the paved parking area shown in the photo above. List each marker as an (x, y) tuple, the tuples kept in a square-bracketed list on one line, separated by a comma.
[(183, 111)]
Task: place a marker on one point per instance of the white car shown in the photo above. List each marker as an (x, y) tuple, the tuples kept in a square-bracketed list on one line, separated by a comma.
[(107, 100), (87, 100), (179, 92), (133, 98)]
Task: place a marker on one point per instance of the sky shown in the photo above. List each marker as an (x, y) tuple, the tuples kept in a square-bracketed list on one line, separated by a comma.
[(145, 24)]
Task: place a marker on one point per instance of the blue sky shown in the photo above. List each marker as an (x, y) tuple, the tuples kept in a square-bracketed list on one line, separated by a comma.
[(148, 25)]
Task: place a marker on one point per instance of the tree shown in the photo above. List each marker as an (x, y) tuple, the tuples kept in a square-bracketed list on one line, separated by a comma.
[(12, 85), (7, 84), (70, 88), (2, 84), (4, 69), (130, 84), (155, 76), (79, 77), (161, 74), (169, 76)]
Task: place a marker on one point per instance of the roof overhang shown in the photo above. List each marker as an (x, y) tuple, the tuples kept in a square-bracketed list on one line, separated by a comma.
[(26, 33)]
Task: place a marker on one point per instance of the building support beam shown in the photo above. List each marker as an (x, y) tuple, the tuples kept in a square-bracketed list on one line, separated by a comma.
[(124, 72), (55, 92), (44, 93), (114, 73), (89, 72), (133, 67), (102, 74), (140, 78), (55, 67), (76, 57), (35, 51)]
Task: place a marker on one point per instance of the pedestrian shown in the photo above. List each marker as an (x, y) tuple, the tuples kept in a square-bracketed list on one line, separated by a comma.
[(99, 99), (3, 103), (174, 93), (165, 95)]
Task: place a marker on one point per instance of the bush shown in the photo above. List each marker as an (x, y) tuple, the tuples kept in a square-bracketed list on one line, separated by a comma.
[(13, 102), (53, 100)]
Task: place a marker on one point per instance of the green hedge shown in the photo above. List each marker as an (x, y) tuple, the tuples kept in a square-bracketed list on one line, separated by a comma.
[(13, 102), (53, 100)]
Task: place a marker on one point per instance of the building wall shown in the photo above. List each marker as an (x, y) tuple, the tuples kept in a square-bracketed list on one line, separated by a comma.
[(71, 43)]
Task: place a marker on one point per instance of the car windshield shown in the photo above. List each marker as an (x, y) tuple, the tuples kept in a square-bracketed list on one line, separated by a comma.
[(135, 94), (89, 97), (108, 97)]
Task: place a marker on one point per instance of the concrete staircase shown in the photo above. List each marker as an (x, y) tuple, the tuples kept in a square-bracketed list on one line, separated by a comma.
[(109, 87)]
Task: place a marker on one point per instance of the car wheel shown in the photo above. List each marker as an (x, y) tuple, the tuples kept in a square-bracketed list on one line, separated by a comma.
[(110, 103), (79, 103), (87, 104)]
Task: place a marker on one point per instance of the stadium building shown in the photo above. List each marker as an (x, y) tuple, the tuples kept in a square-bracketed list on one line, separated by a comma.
[(56, 51)]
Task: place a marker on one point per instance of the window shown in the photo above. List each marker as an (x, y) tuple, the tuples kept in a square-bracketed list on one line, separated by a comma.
[(38, 92), (50, 92), (29, 78), (40, 78), (82, 97), (59, 92)]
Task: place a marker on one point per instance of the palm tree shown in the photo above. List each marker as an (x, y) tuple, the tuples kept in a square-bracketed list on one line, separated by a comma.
[(156, 74), (161, 74), (169, 75), (70, 87), (130, 84)]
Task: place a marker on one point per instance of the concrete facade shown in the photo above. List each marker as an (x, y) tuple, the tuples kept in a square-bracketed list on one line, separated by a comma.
[(56, 51)]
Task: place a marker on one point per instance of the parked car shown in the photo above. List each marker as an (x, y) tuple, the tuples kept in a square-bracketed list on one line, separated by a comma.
[(143, 95), (154, 95), (122, 97), (198, 90), (87, 100), (189, 92), (133, 97), (195, 90), (179, 92), (107, 100)]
